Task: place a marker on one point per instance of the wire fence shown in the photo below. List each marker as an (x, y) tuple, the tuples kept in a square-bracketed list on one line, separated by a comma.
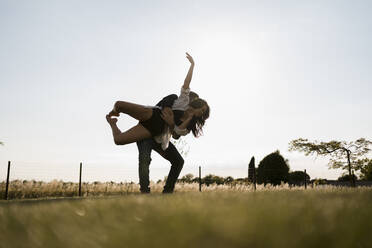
[(32, 180)]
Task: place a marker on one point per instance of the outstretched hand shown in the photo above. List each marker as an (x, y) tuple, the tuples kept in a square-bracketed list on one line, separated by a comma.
[(188, 56), (110, 120)]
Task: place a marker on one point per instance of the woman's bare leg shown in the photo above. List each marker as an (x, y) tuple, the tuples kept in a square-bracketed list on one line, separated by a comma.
[(134, 134), (136, 111)]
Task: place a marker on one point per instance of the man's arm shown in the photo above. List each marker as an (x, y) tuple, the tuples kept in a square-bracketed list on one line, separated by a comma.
[(168, 117), (177, 131), (186, 83), (185, 123)]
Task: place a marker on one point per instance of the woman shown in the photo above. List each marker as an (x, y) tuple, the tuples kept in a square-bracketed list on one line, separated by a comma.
[(187, 116)]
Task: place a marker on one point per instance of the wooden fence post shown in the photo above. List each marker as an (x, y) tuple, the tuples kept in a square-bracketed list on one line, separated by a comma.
[(200, 182), (81, 165), (254, 178), (305, 180), (7, 182), (252, 172)]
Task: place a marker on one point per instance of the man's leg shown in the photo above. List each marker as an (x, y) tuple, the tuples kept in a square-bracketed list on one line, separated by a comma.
[(144, 158), (174, 157)]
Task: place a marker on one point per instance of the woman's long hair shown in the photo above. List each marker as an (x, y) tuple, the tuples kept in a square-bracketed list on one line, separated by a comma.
[(196, 124)]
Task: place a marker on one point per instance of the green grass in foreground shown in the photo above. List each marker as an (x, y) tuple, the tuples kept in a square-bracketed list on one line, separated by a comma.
[(322, 218)]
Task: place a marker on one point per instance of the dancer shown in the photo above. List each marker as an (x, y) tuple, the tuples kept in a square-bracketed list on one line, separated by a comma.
[(188, 116), (171, 153)]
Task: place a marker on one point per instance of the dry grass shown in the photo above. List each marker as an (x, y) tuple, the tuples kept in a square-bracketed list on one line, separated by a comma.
[(37, 189)]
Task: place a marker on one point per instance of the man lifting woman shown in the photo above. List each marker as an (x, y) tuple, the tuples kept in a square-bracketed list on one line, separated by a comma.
[(173, 116)]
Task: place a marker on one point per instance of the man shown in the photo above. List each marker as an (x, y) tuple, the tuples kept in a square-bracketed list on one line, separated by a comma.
[(171, 153)]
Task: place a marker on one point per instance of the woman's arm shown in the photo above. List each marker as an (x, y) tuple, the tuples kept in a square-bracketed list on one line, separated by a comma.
[(185, 123), (181, 130), (188, 78), (168, 117)]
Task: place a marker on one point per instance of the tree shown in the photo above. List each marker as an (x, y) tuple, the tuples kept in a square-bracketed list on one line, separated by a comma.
[(228, 180), (366, 170), (251, 170), (211, 179), (273, 169), (344, 155), (188, 178), (346, 178), (298, 177), (1, 143)]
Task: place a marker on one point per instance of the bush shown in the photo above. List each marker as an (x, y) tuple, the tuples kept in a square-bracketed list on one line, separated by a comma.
[(346, 178), (211, 179), (320, 181), (188, 178), (297, 177), (228, 180), (272, 169)]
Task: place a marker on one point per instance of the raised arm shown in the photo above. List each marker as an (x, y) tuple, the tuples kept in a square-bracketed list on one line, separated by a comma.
[(188, 78)]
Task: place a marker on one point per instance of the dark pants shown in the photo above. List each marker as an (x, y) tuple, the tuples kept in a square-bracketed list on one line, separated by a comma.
[(171, 154)]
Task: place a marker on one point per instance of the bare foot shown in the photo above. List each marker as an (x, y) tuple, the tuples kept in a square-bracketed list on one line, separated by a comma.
[(114, 113), (110, 120)]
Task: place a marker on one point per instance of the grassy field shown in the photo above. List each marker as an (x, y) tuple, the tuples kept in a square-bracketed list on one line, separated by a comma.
[(329, 217), (38, 189)]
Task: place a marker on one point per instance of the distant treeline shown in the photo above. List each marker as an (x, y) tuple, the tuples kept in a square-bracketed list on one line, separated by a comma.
[(274, 169), (295, 178)]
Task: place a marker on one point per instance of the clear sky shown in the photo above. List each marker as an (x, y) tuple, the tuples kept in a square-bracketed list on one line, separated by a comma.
[(271, 71)]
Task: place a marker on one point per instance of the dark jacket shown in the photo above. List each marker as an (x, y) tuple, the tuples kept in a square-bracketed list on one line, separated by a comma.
[(167, 101)]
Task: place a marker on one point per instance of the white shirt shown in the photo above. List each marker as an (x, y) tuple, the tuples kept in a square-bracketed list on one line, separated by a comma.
[(181, 103)]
